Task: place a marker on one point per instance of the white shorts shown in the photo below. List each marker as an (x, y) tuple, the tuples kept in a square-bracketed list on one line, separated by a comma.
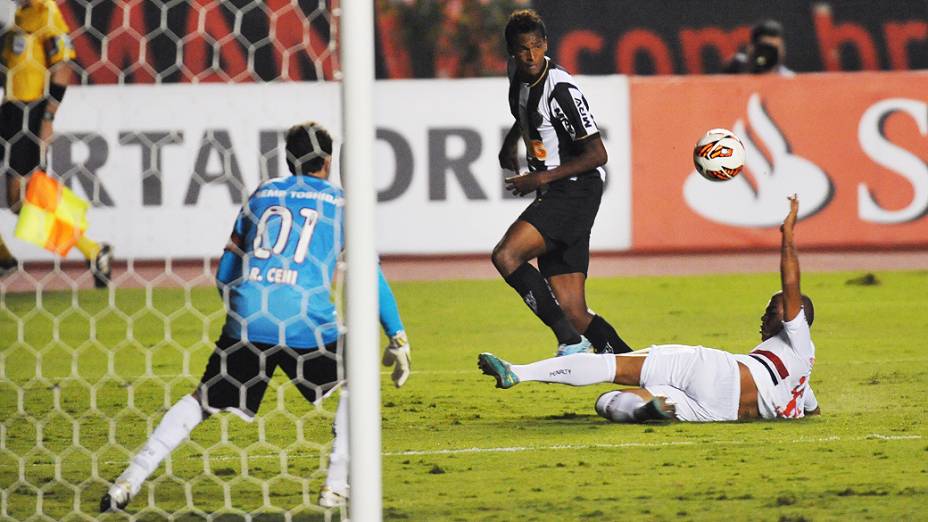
[(704, 384)]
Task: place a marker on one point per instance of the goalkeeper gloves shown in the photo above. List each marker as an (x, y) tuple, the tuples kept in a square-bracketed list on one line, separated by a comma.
[(397, 354)]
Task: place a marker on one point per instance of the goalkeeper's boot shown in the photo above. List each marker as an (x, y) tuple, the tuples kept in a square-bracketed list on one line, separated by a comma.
[(8, 266), (584, 346), (102, 266), (330, 499), (117, 498), (498, 369)]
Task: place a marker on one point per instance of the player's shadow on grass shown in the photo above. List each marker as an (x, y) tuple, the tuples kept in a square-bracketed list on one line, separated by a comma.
[(586, 419), (571, 416), (568, 418)]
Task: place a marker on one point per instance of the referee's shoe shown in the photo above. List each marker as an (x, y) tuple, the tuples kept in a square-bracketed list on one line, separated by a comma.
[(8, 266), (102, 266)]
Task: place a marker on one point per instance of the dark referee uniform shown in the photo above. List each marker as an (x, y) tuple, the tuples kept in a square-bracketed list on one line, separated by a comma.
[(37, 41), (553, 117)]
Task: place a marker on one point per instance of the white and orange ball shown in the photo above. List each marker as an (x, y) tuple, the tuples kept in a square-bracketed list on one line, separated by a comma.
[(719, 155)]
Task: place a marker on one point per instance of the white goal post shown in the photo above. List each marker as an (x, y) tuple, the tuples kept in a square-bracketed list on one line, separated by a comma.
[(357, 46)]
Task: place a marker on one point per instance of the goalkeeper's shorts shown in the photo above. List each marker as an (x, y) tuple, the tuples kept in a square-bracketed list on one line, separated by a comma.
[(238, 372)]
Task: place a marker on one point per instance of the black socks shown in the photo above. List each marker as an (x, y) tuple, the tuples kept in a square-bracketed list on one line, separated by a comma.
[(604, 337), (536, 293)]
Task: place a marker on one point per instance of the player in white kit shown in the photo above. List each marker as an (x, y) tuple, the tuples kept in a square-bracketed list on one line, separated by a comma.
[(697, 384)]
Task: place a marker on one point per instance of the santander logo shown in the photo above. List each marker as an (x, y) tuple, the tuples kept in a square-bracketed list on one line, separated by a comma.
[(757, 197)]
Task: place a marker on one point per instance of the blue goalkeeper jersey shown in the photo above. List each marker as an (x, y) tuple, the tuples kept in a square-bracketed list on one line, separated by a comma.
[(280, 290)]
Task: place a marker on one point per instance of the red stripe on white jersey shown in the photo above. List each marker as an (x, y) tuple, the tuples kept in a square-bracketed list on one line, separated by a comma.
[(777, 363)]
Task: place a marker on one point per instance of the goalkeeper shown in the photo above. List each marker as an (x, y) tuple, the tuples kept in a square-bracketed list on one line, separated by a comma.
[(275, 277)]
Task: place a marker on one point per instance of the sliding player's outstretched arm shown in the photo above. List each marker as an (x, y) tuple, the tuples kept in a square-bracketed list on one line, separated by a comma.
[(789, 264)]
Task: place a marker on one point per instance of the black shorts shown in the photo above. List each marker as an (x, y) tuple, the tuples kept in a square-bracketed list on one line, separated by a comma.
[(564, 215), (238, 372), (19, 136)]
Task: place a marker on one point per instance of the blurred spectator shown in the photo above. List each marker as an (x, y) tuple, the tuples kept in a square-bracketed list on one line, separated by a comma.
[(766, 54), (451, 39)]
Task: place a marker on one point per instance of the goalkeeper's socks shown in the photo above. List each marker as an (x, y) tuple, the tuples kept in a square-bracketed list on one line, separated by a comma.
[(536, 293), (604, 337), (580, 369), (336, 478), (175, 426)]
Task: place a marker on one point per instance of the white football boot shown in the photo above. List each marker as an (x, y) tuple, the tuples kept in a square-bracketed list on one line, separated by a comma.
[(331, 499), (117, 498)]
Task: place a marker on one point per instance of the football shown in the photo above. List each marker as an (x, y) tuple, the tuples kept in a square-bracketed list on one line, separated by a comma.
[(719, 155)]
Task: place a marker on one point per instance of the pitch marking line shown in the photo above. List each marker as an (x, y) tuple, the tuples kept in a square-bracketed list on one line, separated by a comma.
[(620, 445), (516, 449)]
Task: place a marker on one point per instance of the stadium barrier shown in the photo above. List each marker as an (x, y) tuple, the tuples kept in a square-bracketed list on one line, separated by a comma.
[(184, 157), (185, 162), (854, 146)]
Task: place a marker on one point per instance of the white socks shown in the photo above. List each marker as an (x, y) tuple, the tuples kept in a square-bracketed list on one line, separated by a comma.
[(186, 414), (619, 406), (580, 369), (337, 477), (175, 426)]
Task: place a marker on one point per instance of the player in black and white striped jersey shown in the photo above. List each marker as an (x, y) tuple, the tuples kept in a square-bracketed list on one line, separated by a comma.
[(565, 155)]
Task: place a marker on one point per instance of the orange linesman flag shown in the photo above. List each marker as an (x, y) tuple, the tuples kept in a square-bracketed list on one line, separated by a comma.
[(52, 216)]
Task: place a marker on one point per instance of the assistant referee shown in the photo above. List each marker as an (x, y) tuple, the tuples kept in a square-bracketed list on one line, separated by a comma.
[(35, 55)]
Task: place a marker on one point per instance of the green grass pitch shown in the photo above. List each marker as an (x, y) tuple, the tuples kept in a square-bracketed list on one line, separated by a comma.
[(86, 376)]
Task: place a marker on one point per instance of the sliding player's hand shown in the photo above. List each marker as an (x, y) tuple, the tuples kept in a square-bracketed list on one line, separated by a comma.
[(523, 184), (397, 354), (790, 220)]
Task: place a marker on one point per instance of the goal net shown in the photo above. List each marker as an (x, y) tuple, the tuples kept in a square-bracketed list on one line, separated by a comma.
[(174, 115)]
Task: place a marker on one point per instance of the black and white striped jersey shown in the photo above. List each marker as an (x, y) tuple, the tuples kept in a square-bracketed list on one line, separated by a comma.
[(553, 116)]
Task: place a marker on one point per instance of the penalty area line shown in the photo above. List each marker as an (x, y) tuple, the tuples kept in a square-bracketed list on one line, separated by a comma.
[(519, 449), (619, 445)]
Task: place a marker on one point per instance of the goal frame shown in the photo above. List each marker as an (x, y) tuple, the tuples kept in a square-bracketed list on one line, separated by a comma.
[(356, 41)]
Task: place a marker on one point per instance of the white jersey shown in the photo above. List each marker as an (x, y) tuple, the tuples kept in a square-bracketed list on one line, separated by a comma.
[(781, 367), (553, 116)]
